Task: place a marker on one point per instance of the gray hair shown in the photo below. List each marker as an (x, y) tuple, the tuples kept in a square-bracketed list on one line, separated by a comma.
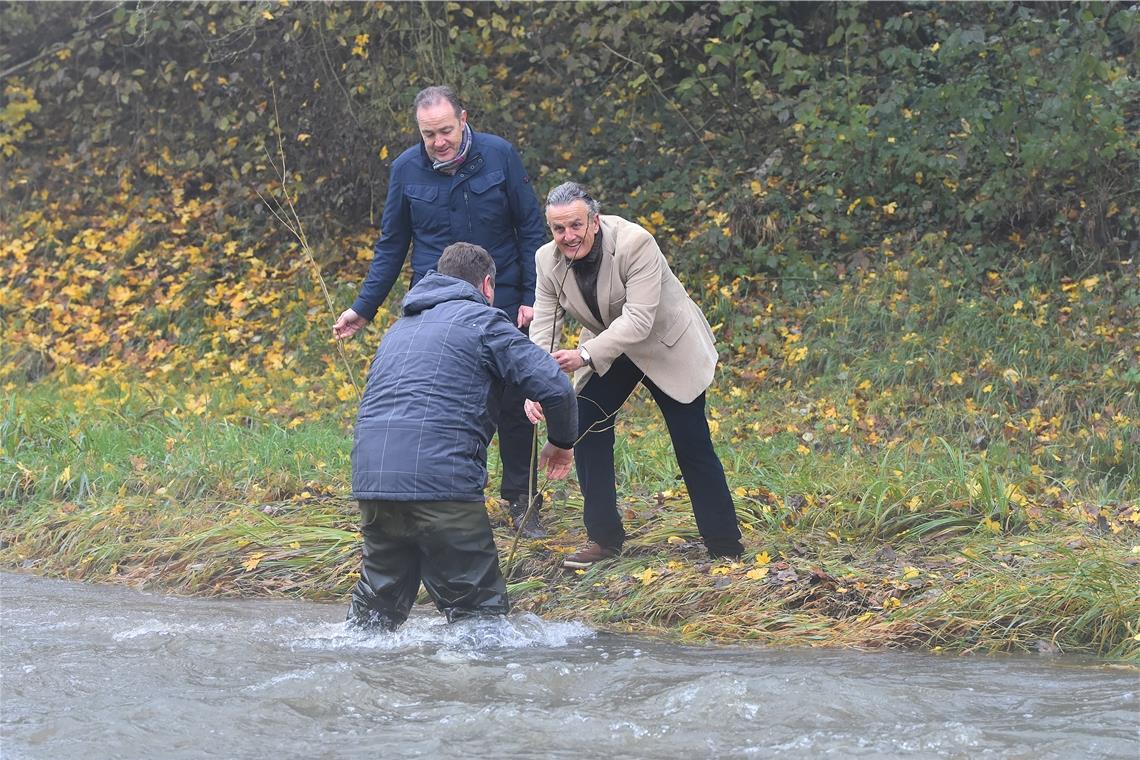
[(568, 192), (430, 96)]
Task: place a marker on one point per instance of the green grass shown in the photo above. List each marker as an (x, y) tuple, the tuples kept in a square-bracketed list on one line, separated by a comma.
[(51, 454), (943, 470)]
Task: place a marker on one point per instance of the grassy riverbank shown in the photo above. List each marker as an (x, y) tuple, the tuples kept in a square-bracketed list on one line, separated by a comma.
[(921, 458)]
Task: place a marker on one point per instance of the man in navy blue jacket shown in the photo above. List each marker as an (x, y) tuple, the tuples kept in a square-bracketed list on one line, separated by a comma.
[(463, 185), (419, 461)]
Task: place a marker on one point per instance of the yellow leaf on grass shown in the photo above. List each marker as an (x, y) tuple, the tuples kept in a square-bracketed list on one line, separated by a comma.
[(253, 561), (763, 558), (757, 574), (911, 572), (646, 577), (675, 540)]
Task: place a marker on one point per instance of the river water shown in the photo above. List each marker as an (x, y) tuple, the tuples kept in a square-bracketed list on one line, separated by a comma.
[(94, 672)]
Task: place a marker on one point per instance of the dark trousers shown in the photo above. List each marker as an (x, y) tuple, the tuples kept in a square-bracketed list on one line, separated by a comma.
[(446, 544), (516, 438), (516, 446), (598, 404)]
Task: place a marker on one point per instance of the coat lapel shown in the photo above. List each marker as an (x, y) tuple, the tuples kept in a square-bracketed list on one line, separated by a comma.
[(605, 275), (572, 300)]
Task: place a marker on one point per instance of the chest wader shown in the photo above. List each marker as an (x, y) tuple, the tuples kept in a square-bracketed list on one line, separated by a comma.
[(447, 545)]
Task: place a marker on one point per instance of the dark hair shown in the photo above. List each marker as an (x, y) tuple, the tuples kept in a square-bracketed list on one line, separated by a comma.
[(468, 262), (568, 192), (429, 96)]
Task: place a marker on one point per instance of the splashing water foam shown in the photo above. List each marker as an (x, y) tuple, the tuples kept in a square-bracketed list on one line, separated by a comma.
[(465, 638)]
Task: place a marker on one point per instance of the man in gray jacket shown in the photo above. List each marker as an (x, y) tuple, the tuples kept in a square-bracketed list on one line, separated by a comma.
[(419, 460)]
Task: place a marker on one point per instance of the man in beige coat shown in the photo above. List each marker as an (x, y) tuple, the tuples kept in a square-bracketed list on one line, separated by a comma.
[(638, 326)]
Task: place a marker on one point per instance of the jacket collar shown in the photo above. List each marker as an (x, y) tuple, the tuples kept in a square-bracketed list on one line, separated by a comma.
[(467, 169), (606, 268)]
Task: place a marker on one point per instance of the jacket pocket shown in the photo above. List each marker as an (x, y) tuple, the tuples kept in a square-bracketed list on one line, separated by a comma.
[(481, 183), (489, 203), (422, 193), (426, 212), (671, 334)]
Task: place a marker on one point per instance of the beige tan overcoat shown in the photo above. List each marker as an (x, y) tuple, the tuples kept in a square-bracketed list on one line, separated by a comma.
[(646, 313)]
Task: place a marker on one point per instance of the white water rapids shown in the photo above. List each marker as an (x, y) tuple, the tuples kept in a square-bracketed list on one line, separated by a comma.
[(92, 672)]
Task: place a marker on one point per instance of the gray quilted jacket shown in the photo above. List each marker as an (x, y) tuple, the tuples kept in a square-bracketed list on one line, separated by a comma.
[(428, 409)]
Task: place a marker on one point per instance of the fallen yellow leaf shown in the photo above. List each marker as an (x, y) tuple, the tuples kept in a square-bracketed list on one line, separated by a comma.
[(647, 576)]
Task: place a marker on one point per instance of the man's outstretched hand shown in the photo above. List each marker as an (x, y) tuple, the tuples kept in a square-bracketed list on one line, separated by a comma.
[(556, 461), (348, 324)]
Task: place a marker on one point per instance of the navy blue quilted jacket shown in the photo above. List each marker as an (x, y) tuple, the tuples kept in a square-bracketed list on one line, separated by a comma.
[(489, 201), (427, 414)]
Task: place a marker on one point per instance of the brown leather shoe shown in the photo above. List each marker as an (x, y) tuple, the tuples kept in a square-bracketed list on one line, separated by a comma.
[(589, 554)]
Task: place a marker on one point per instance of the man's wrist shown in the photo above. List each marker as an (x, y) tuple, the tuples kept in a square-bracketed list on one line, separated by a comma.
[(584, 355), (560, 444)]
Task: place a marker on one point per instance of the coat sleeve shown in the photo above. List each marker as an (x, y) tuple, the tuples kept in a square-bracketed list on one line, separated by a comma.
[(390, 251), (512, 358), (548, 314), (640, 265), (527, 220)]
